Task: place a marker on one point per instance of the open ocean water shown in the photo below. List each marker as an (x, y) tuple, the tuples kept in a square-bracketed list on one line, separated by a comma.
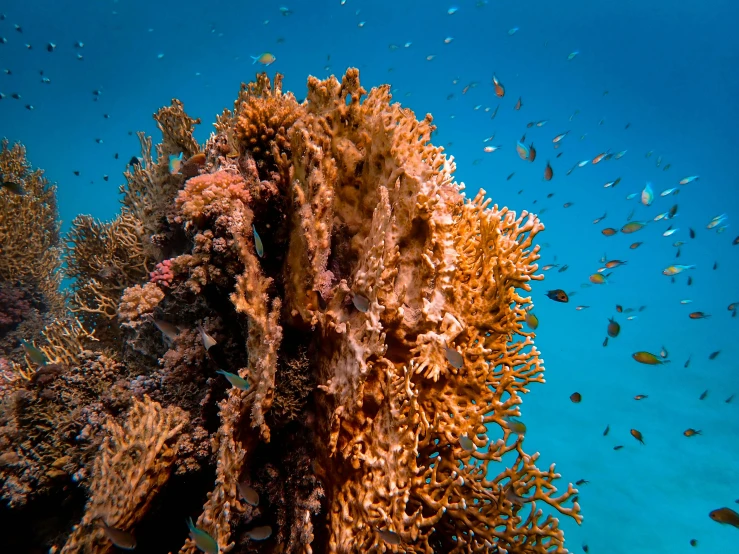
[(657, 79)]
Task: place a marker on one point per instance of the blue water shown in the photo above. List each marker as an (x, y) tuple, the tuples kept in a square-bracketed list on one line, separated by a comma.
[(670, 71)]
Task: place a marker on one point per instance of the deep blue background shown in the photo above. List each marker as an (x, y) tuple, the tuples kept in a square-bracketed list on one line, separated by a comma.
[(670, 71)]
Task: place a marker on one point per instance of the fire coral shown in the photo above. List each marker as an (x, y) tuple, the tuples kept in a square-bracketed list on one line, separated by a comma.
[(380, 330)]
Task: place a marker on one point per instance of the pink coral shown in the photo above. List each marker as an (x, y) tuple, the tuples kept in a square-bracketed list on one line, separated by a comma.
[(211, 194), (162, 274)]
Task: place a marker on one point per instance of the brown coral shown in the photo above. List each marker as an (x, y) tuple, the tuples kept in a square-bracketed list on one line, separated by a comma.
[(104, 259)]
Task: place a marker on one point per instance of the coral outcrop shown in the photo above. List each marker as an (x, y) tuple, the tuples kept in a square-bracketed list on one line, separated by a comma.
[(316, 318)]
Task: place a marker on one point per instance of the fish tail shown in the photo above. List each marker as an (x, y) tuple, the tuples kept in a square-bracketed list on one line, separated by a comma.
[(255, 58)]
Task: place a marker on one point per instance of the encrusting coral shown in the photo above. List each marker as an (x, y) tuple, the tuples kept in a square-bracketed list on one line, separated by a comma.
[(339, 338)]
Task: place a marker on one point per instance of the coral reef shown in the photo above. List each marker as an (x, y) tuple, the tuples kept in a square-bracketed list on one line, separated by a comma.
[(134, 462), (29, 229), (310, 310)]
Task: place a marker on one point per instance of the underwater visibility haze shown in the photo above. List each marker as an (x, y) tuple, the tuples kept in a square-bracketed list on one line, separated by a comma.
[(292, 312)]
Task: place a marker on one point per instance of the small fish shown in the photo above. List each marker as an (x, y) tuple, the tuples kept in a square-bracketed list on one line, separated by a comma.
[(466, 443), (202, 540), (718, 220), (548, 172), (572, 55), (249, 495), (518, 105), (698, 315), (258, 246), (609, 231), (693, 542), (606, 430), (522, 150), (641, 397), (499, 88), (34, 354), (676, 269), (208, 341), (388, 536), (175, 163), (614, 263), (728, 400), (491, 148), (576, 397), (725, 516), (599, 219), (361, 302), (620, 155), (598, 279), (647, 195), (691, 432), (582, 482), (613, 328), (703, 395), (454, 357), (558, 295), (169, 330), (531, 320), (11, 186), (261, 533), (120, 538), (235, 380), (647, 358), (663, 353), (690, 179), (583, 163), (635, 245), (514, 425), (632, 227), (612, 184), (618, 447), (714, 355), (512, 31), (265, 59), (667, 192), (605, 342), (637, 435)]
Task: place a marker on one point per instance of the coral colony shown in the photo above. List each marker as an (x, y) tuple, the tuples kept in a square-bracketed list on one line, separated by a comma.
[(307, 308)]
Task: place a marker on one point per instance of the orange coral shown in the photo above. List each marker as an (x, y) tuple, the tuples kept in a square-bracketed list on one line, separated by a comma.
[(261, 119), (373, 214)]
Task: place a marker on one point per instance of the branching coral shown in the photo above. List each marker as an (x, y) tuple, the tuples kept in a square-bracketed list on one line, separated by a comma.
[(322, 252), (375, 278), (104, 259), (134, 463), (29, 229)]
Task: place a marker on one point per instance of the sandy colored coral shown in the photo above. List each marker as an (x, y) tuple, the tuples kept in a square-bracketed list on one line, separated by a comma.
[(133, 464), (139, 300), (30, 246), (104, 258)]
